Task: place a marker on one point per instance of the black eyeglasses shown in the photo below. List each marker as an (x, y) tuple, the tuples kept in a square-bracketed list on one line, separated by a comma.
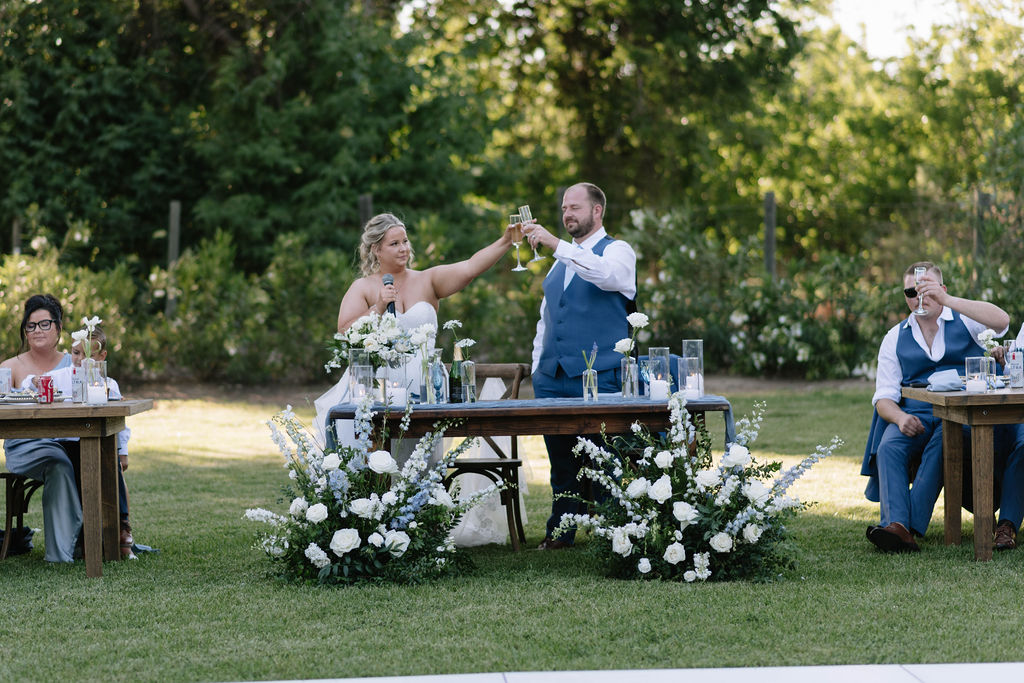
[(44, 325), (910, 293)]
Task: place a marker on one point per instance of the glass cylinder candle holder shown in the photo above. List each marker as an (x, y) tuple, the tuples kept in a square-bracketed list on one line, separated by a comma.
[(361, 381), (660, 380), (693, 348), (95, 381)]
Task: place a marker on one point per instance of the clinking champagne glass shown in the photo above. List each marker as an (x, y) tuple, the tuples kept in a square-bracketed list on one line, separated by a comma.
[(919, 272), (525, 216), (517, 238)]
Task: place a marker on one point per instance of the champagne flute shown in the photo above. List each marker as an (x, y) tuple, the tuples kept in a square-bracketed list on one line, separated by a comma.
[(517, 238), (919, 272), (525, 216)]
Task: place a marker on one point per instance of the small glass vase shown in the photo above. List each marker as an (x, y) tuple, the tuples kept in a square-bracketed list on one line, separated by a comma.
[(589, 385), (630, 374), (437, 380), (468, 370), (95, 381)]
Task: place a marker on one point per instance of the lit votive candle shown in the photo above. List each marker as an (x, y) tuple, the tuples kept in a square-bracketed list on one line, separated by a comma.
[(976, 386), (95, 394), (659, 390)]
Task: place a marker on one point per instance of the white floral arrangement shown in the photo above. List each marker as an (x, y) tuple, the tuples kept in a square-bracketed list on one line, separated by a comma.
[(674, 513), (988, 340), (355, 516), (388, 344)]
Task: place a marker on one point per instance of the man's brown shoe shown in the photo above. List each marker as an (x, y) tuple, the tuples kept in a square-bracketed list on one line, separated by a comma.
[(893, 538), (127, 541), (553, 544), (1006, 537)]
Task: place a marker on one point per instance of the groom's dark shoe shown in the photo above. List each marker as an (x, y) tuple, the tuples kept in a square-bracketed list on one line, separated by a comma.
[(894, 538), (553, 544)]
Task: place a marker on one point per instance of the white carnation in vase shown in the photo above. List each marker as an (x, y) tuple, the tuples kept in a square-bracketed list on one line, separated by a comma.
[(344, 540), (721, 542), (637, 320), (624, 346), (675, 553), (316, 513), (661, 490)]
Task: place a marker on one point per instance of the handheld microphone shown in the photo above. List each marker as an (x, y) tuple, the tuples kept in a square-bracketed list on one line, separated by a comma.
[(389, 279)]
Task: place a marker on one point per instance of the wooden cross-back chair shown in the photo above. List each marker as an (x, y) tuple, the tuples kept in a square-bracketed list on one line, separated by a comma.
[(503, 469), (19, 490)]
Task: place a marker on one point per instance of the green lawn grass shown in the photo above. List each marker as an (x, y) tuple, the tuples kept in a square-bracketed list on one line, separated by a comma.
[(205, 609)]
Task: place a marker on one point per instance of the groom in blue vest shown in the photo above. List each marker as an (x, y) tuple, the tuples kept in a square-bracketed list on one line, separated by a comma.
[(587, 295), (904, 431)]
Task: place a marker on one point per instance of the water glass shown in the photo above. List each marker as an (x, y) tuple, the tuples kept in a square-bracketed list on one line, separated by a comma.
[(630, 377), (468, 370), (590, 385)]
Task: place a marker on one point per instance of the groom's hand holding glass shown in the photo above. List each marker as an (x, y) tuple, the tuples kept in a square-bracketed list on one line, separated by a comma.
[(537, 235)]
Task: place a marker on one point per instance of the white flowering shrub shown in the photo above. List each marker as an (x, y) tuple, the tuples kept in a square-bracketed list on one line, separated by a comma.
[(353, 515), (674, 511)]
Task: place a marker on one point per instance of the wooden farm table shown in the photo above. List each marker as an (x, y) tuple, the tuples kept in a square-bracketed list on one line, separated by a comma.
[(97, 427), (981, 412), (519, 417)]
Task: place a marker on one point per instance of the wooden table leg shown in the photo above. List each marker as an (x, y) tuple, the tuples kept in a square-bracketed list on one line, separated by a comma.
[(953, 480), (109, 503), (982, 471), (92, 513)]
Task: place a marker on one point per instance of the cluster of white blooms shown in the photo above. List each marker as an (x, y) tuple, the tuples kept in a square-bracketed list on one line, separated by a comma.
[(748, 427), (317, 556), (387, 342), (264, 516)]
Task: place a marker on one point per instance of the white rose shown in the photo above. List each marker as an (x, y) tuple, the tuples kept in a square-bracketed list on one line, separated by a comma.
[(644, 565), (675, 553), (344, 540), (397, 542), (298, 508), (331, 462), (685, 513), (637, 320), (316, 513), (690, 576), (381, 462), (389, 498), (721, 542), (758, 492), (751, 533), (737, 455), (441, 496), (621, 543), (708, 478), (663, 459), (362, 507), (624, 346), (637, 488), (375, 539), (661, 490)]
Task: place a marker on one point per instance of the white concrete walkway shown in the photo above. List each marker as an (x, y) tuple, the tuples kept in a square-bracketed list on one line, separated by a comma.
[(872, 673)]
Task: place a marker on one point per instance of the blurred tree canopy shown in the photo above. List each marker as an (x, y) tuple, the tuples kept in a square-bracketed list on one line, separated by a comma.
[(268, 119)]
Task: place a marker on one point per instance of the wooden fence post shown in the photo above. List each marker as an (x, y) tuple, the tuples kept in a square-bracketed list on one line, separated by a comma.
[(16, 236), (173, 251), (984, 206), (769, 235), (365, 209)]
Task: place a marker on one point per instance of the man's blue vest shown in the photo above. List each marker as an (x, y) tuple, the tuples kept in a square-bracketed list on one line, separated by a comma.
[(917, 367), (577, 318)]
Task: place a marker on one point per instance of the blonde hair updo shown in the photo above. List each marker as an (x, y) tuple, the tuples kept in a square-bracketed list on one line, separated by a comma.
[(373, 234)]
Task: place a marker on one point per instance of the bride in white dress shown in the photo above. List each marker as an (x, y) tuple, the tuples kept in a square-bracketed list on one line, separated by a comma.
[(414, 294)]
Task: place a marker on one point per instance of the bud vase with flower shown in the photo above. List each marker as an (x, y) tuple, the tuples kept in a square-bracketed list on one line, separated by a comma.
[(629, 372), (590, 375), (94, 372)]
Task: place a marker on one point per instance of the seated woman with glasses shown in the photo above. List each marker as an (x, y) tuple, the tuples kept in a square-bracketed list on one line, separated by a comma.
[(44, 459)]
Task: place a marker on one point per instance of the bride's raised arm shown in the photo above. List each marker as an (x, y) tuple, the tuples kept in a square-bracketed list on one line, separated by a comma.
[(454, 277)]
